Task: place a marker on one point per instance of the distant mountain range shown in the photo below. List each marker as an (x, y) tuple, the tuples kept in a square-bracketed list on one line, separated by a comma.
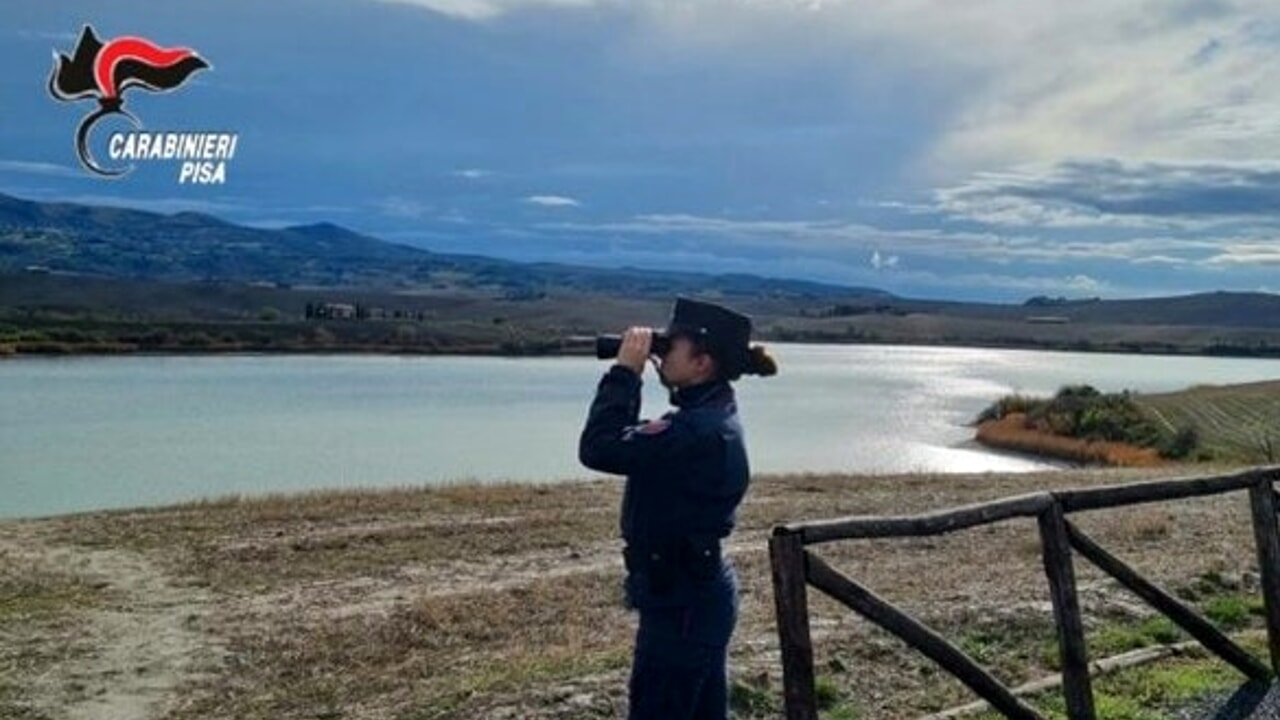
[(124, 244), (193, 247), (1205, 310)]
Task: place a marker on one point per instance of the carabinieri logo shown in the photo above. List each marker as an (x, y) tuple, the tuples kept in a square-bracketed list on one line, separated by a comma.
[(105, 72)]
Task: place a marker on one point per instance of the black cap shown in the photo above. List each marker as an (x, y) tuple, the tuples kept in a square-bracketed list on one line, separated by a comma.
[(726, 334)]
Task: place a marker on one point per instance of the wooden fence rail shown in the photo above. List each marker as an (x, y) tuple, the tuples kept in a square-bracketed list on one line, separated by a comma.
[(795, 568)]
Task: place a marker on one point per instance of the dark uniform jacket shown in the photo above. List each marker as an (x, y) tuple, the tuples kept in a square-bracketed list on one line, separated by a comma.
[(686, 474)]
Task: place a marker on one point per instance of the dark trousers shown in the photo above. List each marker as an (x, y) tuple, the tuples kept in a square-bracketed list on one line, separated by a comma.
[(679, 671)]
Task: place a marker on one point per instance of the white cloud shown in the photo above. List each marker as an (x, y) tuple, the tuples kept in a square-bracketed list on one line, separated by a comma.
[(552, 201), (1160, 260), (1188, 79), (481, 10), (401, 207), (1247, 254), (882, 262), (818, 269), (1082, 283), (855, 273), (1070, 285), (824, 236), (1110, 193), (472, 173), (1007, 81)]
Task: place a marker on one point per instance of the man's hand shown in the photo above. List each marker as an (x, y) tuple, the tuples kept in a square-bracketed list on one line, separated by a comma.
[(635, 349)]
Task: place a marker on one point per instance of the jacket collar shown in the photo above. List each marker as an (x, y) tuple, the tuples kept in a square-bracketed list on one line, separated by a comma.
[(713, 392)]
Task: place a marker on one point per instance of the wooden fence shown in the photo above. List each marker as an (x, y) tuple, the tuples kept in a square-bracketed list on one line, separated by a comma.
[(795, 568)]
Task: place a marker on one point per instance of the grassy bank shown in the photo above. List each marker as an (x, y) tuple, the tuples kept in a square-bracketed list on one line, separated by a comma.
[(90, 337), (1233, 423), (1083, 425), (505, 602), (1014, 432)]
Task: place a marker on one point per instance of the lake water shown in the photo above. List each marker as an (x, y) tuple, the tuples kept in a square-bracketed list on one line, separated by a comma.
[(89, 433)]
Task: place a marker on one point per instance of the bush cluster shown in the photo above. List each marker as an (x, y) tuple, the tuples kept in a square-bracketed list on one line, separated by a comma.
[(1081, 411)]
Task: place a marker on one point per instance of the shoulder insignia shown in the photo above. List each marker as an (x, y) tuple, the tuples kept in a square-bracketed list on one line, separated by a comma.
[(654, 427)]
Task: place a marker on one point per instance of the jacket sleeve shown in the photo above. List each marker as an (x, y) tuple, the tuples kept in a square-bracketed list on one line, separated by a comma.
[(614, 441)]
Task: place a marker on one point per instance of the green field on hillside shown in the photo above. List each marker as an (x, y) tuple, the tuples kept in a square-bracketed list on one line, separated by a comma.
[(1238, 422)]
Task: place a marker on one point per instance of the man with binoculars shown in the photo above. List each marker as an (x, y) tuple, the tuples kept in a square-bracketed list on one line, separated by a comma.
[(686, 474)]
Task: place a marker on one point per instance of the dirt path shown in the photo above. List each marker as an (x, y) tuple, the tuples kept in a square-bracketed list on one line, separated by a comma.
[(128, 656)]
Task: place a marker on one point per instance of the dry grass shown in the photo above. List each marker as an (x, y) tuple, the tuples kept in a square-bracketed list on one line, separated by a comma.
[(452, 655), (235, 543), (1151, 524), (1011, 433), (41, 612), (504, 601)]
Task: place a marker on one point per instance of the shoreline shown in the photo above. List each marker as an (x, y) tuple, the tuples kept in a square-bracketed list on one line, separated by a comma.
[(103, 350), (1056, 465), (451, 337), (373, 492)]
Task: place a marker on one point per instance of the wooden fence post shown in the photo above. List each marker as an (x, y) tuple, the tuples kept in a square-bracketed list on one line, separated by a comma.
[(1267, 535), (1076, 687), (791, 600)]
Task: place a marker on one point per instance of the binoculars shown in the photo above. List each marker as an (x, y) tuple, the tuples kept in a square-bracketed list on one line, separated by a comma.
[(607, 346)]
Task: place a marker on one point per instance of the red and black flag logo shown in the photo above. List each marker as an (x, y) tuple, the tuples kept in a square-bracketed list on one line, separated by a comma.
[(105, 71)]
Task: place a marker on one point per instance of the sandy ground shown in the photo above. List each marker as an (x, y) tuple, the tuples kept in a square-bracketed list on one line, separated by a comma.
[(126, 659), (504, 602)]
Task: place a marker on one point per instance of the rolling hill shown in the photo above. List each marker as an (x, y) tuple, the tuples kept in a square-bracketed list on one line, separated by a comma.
[(193, 247), (80, 271)]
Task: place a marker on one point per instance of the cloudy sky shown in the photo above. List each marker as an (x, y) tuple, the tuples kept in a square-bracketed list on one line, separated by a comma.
[(977, 150)]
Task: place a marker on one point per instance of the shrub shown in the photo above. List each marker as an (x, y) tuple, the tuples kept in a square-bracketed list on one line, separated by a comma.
[(825, 692), (1083, 413), (156, 337), (752, 698), (1161, 629), (199, 338), (1069, 392), (1008, 405), (44, 347), (1182, 444), (73, 335), (405, 335), (319, 336), (1229, 611)]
